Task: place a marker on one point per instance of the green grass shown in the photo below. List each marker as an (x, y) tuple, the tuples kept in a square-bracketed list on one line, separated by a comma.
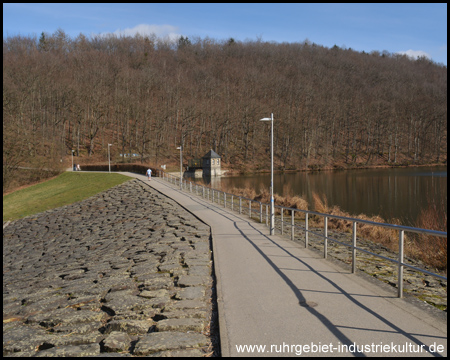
[(66, 189)]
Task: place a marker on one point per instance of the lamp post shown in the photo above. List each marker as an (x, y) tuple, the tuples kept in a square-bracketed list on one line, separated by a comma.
[(72, 159), (181, 165), (272, 208), (109, 158)]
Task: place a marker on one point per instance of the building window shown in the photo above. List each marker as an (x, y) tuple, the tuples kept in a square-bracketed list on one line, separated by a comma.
[(212, 161), (218, 161)]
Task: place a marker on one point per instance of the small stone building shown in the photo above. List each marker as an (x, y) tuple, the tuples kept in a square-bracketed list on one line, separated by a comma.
[(211, 164)]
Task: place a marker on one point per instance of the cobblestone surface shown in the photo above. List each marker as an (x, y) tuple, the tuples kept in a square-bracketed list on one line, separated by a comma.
[(125, 272)]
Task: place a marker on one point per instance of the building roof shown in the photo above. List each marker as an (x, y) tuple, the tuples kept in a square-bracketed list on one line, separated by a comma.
[(211, 154)]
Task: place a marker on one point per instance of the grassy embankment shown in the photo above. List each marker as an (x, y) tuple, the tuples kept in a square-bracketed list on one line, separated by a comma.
[(431, 250), (65, 189)]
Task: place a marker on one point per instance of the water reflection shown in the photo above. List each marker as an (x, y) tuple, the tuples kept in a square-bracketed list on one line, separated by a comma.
[(390, 193)]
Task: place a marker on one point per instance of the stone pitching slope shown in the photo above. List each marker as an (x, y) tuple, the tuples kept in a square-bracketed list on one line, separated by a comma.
[(126, 271)]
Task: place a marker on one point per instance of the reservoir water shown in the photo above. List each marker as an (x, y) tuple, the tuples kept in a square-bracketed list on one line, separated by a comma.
[(399, 193)]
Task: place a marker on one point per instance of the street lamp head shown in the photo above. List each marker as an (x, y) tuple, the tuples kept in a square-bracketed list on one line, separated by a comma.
[(267, 119), (179, 148)]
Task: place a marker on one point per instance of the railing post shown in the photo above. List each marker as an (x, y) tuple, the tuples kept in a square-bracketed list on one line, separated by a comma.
[(250, 208), (354, 248), (224, 200), (240, 205), (292, 224), (267, 215), (260, 212), (400, 261), (282, 211), (306, 230), (325, 243), (232, 197)]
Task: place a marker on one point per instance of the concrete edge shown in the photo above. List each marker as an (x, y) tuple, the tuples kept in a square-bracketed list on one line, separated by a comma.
[(223, 334)]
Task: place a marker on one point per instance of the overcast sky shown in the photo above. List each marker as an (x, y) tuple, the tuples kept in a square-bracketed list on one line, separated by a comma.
[(414, 29)]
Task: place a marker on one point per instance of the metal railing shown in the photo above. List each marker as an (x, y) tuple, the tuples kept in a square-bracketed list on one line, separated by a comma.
[(255, 210)]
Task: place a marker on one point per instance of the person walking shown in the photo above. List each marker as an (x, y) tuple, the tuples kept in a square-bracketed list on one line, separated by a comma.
[(149, 173)]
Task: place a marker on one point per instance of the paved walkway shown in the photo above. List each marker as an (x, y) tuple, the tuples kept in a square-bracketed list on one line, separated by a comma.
[(283, 298)]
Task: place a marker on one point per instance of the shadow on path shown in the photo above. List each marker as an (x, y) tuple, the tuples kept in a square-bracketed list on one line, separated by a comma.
[(238, 223)]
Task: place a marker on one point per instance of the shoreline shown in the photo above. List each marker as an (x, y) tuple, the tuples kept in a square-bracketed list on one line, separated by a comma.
[(232, 172)]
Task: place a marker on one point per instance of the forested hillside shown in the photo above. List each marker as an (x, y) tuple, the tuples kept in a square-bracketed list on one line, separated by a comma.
[(332, 107)]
